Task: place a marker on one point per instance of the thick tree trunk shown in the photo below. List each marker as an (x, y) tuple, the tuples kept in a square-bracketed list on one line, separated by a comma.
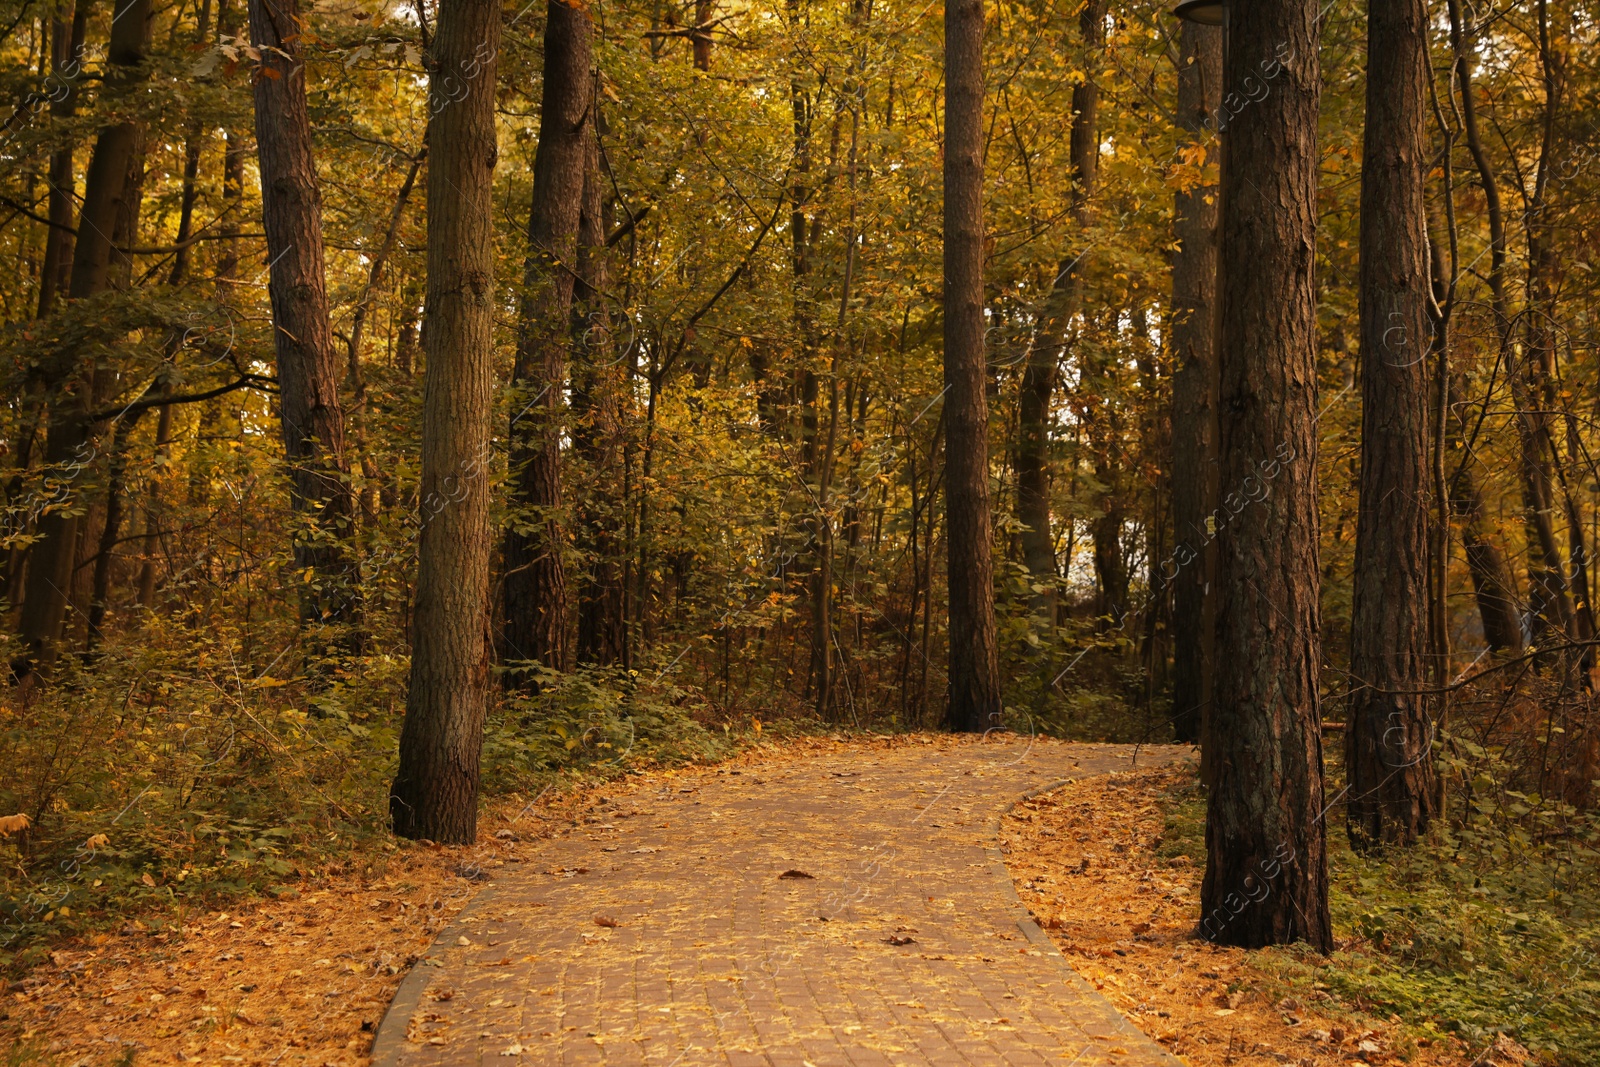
[(1388, 732), (435, 791), (535, 581), (974, 695), (598, 386), (69, 448), (1266, 878), (1193, 332), (308, 367)]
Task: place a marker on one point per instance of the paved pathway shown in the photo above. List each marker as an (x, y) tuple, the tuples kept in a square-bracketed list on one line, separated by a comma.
[(906, 945)]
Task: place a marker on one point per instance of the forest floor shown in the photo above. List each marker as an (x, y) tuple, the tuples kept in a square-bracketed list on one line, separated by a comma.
[(1120, 898), (306, 978)]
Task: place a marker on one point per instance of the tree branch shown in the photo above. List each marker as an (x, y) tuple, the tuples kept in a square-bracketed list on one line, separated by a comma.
[(248, 381)]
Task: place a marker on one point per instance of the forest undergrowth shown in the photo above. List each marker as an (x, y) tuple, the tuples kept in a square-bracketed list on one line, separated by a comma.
[(1490, 928), (187, 771), (1478, 947)]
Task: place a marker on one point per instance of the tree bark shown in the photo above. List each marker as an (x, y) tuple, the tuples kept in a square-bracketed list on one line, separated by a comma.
[(598, 386), (69, 446), (105, 556), (1193, 461), (1266, 872), (66, 46), (233, 154), (308, 367), (191, 170), (535, 581), (1388, 731), (974, 695), (152, 511), (435, 791), (1041, 371)]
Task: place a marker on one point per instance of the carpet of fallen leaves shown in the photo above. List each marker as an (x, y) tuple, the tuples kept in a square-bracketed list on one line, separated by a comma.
[(302, 980), (1084, 862)]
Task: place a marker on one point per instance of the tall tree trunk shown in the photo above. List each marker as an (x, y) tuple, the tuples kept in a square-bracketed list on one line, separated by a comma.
[(435, 791), (1547, 592), (190, 194), (70, 447), (1388, 732), (1266, 878), (535, 581), (1539, 330), (105, 556), (1040, 373), (598, 387), (66, 46), (1193, 463), (233, 154), (308, 367), (974, 696), (701, 34), (1493, 588), (152, 512)]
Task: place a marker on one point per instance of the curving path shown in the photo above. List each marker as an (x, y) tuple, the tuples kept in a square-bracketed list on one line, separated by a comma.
[(905, 946)]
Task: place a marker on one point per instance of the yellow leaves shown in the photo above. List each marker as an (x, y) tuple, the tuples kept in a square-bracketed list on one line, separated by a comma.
[(13, 824), (97, 841)]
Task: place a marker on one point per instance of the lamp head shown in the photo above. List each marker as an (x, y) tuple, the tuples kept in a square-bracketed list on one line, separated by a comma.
[(1205, 12)]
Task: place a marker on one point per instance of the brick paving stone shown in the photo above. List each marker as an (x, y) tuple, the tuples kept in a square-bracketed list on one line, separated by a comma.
[(718, 960)]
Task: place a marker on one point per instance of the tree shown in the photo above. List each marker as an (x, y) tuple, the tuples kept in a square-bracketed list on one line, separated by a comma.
[(308, 368), (1388, 733), (66, 61), (1266, 878), (974, 701), (435, 791), (535, 580), (1065, 299), (74, 385), (1194, 393), (597, 405)]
